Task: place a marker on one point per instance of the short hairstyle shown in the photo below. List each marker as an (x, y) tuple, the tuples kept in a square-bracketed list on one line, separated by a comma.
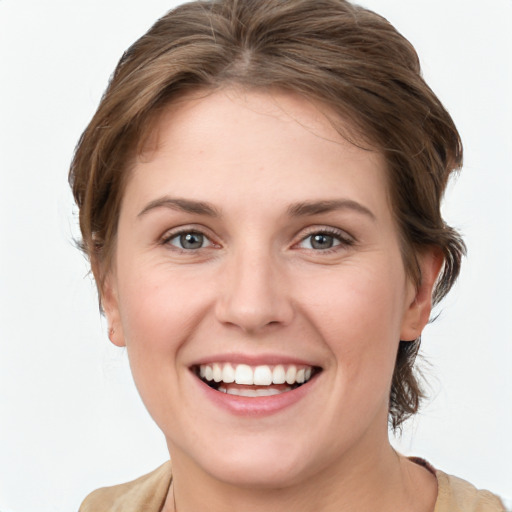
[(340, 54)]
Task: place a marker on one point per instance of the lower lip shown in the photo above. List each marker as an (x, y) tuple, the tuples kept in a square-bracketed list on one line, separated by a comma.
[(258, 405)]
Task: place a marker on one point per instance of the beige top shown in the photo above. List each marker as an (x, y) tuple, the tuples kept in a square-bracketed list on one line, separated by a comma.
[(148, 494)]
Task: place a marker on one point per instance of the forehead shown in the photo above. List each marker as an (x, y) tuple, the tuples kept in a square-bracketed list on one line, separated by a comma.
[(240, 138), (275, 103)]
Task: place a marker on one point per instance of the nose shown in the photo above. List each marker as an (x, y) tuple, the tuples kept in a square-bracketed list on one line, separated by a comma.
[(254, 294)]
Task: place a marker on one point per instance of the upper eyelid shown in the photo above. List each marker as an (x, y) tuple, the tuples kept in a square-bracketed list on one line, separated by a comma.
[(172, 233), (187, 228), (345, 240), (330, 230)]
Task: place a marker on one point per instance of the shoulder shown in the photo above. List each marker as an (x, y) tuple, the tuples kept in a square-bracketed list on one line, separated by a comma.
[(457, 495), (146, 493)]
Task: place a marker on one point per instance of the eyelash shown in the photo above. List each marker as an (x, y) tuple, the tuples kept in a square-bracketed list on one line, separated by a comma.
[(168, 237), (344, 240)]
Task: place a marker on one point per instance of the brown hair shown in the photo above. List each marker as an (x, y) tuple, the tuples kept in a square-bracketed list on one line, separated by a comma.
[(350, 59)]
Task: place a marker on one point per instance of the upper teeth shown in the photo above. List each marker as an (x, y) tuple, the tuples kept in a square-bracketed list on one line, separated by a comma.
[(262, 375)]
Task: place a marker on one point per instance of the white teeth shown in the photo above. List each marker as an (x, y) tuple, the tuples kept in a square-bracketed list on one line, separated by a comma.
[(279, 375), (262, 375), (269, 391), (253, 392), (291, 373), (244, 375), (228, 374), (217, 372)]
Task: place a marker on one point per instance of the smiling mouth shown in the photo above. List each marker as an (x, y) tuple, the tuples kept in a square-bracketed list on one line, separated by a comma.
[(254, 381)]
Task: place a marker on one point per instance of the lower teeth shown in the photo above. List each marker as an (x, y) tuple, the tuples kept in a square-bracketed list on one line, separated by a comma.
[(253, 392)]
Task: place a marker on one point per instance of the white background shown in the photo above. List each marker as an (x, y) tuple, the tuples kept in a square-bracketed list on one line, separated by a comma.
[(70, 418)]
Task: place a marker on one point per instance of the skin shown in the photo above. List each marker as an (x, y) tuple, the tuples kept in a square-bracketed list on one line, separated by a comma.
[(257, 287)]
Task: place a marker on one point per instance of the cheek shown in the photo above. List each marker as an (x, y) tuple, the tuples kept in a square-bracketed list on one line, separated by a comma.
[(362, 300), (359, 314), (158, 313)]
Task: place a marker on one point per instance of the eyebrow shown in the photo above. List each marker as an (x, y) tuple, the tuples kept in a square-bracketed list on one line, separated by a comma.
[(318, 207), (302, 209), (181, 205)]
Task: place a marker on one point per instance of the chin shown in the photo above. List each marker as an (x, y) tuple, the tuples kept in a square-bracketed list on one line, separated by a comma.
[(256, 463), (258, 473)]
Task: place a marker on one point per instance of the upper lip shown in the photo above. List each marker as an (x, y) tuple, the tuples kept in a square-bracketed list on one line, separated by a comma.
[(254, 360)]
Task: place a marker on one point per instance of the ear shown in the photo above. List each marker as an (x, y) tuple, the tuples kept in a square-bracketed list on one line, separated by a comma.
[(110, 305), (419, 299)]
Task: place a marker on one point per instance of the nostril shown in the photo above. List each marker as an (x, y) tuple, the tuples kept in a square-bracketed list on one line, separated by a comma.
[(253, 296)]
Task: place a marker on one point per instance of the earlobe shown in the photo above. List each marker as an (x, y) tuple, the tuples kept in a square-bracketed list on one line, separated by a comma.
[(110, 305), (418, 313)]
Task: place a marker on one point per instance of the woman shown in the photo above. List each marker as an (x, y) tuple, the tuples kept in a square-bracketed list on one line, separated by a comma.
[(259, 197)]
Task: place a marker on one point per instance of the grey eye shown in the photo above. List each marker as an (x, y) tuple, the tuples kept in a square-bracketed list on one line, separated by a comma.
[(190, 240), (321, 241)]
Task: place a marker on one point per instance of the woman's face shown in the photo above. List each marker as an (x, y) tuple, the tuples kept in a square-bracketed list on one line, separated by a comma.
[(255, 244)]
